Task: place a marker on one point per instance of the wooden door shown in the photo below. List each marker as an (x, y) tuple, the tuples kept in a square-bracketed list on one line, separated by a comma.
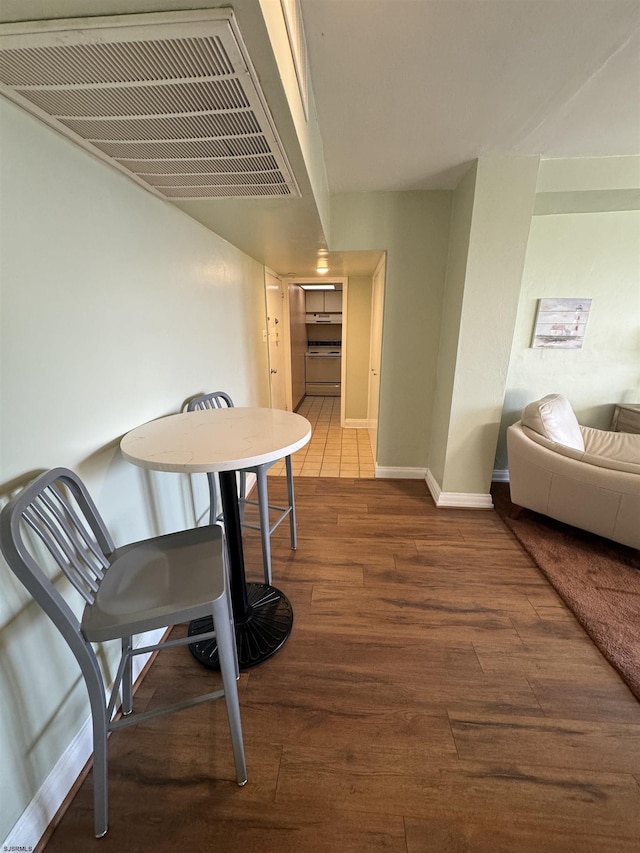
[(276, 337)]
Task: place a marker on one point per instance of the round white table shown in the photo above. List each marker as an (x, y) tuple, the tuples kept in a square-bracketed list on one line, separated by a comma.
[(225, 441)]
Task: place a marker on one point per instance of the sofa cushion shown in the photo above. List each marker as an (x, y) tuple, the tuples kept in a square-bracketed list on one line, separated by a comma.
[(553, 418), (621, 447)]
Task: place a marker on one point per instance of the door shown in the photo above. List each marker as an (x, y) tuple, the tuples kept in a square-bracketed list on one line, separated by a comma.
[(276, 341), (375, 353)]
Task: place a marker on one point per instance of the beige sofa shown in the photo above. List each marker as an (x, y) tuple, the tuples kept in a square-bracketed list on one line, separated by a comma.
[(586, 477)]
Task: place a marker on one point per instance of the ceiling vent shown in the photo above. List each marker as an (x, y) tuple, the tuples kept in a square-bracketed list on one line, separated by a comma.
[(171, 99)]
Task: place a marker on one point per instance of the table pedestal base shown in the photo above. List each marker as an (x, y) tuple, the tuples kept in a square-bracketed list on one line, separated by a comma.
[(265, 630)]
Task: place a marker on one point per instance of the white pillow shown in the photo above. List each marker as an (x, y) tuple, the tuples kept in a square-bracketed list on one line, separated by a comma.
[(553, 417)]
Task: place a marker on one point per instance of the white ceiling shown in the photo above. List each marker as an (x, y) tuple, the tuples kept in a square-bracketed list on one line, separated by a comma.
[(409, 92)]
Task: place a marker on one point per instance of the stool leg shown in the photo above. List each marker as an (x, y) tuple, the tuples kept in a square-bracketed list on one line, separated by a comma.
[(292, 504), (127, 678), (99, 724), (242, 494), (226, 643), (213, 498), (263, 509)]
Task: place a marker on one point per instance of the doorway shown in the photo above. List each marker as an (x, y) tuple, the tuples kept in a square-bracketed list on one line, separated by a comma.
[(333, 451)]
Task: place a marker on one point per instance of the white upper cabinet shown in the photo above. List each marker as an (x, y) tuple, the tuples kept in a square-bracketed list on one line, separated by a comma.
[(324, 302)]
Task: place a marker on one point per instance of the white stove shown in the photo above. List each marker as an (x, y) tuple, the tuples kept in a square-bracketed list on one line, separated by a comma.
[(324, 352), (323, 368)]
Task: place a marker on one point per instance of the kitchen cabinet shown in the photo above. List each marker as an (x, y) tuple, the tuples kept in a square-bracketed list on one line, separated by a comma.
[(323, 302)]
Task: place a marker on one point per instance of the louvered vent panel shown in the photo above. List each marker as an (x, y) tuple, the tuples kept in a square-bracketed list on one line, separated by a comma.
[(184, 150), (197, 167), (260, 179), (172, 100), (197, 127), (142, 100), (227, 192)]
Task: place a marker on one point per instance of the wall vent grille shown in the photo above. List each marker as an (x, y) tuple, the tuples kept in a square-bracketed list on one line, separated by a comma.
[(170, 98)]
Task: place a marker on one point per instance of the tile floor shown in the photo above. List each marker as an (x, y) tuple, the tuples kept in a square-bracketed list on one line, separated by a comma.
[(332, 451)]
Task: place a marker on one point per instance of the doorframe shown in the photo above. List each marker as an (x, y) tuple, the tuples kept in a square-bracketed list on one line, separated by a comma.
[(381, 268)]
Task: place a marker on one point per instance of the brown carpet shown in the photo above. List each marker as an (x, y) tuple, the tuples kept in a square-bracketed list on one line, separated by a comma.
[(598, 580)]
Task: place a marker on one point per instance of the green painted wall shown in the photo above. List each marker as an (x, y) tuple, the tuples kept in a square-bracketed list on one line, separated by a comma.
[(503, 203), (594, 255), (461, 214), (114, 308), (413, 227), (357, 351)]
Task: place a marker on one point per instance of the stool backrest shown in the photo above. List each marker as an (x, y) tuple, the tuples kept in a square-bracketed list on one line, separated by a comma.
[(215, 400), (57, 512)]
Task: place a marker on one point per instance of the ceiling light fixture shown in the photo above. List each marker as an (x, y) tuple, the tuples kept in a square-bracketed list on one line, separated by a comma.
[(318, 286), (323, 266)]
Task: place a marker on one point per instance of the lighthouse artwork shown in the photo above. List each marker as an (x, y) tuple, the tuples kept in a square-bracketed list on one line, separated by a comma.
[(561, 323)]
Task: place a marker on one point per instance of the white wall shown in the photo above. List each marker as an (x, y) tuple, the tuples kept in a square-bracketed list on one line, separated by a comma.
[(114, 308)]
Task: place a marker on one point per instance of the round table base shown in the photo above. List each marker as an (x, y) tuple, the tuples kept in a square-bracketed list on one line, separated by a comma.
[(266, 629)]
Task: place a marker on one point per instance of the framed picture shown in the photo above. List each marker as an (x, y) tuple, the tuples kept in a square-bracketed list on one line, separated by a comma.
[(561, 323)]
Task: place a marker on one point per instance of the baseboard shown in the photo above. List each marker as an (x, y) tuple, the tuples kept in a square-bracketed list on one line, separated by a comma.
[(400, 473), (35, 819), (500, 475), (456, 500), (356, 423)]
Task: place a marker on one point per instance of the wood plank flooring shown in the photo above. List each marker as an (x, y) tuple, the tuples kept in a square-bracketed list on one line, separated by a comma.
[(435, 695)]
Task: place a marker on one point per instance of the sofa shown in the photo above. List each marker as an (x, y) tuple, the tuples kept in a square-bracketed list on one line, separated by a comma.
[(586, 477)]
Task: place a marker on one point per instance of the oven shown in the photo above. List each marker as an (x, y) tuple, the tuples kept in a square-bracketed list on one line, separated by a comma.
[(323, 368)]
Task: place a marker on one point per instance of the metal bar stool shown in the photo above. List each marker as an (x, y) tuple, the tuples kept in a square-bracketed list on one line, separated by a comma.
[(155, 583), (216, 400)]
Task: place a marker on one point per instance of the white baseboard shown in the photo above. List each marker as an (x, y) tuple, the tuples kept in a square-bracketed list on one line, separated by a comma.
[(400, 473), (356, 423), (34, 820), (500, 475), (459, 500)]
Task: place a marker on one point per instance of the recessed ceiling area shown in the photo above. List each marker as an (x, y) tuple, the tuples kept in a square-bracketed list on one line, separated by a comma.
[(409, 92)]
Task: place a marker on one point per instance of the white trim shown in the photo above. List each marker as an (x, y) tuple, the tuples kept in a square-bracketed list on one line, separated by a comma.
[(500, 475), (344, 350), (400, 473), (34, 820), (356, 423), (460, 500)]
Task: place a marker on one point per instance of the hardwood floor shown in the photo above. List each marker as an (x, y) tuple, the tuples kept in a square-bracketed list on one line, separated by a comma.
[(435, 695)]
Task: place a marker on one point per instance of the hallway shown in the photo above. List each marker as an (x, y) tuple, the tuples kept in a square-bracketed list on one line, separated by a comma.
[(332, 451)]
